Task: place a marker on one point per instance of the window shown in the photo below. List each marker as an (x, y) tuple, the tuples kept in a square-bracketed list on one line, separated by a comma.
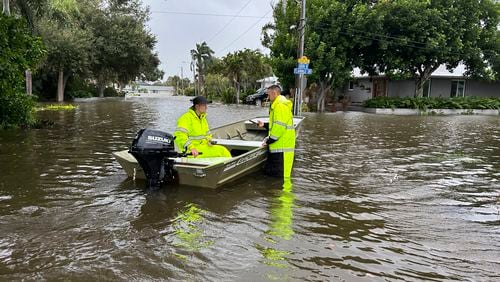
[(427, 88), (351, 85), (457, 88)]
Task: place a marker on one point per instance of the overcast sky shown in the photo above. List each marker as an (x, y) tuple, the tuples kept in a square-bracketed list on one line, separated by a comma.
[(177, 34)]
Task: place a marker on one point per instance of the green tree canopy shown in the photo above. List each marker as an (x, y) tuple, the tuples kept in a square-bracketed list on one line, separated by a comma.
[(413, 38), (202, 55)]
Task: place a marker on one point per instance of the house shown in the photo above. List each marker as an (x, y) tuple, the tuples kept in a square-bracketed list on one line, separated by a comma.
[(268, 81), (149, 90), (442, 83)]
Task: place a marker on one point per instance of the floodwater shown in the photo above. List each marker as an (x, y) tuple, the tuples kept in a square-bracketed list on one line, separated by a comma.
[(374, 198)]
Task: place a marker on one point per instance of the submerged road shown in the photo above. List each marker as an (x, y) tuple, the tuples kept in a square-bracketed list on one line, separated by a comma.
[(374, 198)]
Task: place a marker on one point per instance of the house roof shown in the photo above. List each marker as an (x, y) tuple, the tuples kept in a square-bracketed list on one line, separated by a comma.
[(269, 78), (457, 72)]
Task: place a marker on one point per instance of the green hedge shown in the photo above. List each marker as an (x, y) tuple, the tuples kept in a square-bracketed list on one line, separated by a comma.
[(17, 110), (434, 103), (19, 51)]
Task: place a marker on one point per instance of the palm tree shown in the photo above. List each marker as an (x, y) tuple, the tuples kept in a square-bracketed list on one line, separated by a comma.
[(202, 56)]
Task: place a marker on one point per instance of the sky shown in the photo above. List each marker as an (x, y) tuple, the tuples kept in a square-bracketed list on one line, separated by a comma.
[(178, 30)]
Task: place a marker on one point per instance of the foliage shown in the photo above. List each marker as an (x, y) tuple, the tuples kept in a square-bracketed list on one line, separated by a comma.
[(19, 51), (179, 84), (78, 87), (327, 45), (202, 56), (216, 85), (228, 95), (426, 103), (16, 109), (122, 47), (68, 48), (243, 68), (413, 38), (57, 107)]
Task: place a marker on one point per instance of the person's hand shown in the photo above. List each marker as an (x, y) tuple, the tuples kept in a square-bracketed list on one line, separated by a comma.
[(260, 123), (264, 142), (194, 152)]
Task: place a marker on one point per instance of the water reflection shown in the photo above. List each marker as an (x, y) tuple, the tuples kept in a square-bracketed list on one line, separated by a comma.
[(280, 228)]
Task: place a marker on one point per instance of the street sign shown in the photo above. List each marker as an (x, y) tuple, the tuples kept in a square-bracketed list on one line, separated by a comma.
[(303, 60), (303, 66), (302, 71)]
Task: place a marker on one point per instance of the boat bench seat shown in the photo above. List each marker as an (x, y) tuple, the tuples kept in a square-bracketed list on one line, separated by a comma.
[(201, 161), (231, 144)]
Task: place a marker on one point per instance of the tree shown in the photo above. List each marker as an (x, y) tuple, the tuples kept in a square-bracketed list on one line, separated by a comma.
[(245, 64), (413, 38), (202, 56), (122, 48), (6, 7), (68, 52), (327, 44), (20, 51), (177, 82)]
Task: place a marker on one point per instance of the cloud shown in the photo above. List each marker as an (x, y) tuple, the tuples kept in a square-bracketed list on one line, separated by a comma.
[(177, 34)]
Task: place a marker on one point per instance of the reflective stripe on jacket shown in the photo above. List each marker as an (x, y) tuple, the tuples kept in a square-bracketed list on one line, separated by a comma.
[(281, 126), (192, 131)]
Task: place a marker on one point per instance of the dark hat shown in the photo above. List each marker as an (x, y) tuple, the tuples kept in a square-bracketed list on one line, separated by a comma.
[(199, 100)]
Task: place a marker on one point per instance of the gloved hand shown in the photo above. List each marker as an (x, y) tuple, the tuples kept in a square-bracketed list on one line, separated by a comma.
[(264, 142)]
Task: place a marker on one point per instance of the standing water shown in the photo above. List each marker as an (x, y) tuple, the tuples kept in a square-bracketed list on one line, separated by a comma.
[(373, 198)]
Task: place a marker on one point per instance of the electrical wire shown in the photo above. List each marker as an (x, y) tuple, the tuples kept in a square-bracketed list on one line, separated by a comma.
[(205, 14), (229, 22), (245, 32)]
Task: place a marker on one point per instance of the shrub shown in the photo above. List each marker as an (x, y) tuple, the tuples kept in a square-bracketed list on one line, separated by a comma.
[(427, 103), (19, 51), (17, 110)]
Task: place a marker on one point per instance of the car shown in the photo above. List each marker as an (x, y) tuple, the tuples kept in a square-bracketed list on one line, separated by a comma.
[(257, 98)]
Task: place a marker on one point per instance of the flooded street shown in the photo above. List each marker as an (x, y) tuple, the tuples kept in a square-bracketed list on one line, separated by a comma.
[(374, 198)]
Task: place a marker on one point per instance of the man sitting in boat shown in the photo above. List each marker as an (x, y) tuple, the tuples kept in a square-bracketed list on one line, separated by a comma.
[(192, 134)]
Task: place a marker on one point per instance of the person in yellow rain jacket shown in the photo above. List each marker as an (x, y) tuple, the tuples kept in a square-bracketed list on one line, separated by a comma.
[(192, 134), (281, 137)]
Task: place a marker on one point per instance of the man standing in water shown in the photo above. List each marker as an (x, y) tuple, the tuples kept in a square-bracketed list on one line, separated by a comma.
[(193, 135), (281, 138)]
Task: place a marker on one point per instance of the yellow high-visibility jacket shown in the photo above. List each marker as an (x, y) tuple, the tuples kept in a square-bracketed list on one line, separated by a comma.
[(281, 126), (192, 131)]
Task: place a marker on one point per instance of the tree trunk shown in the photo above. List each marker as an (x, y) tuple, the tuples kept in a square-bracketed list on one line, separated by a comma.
[(238, 89), (60, 87), (100, 89), (6, 7), (320, 103), (29, 82), (422, 78), (100, 86)]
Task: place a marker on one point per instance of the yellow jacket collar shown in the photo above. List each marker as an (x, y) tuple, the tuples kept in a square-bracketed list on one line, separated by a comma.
[(193, 112)]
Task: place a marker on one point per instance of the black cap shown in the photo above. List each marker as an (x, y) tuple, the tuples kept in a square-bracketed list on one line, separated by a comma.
[(199, 100)]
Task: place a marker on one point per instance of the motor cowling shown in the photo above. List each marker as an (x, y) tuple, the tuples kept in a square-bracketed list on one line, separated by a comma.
[(152, 149)]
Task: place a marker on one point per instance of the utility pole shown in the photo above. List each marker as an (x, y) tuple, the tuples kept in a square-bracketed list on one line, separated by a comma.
[(182, 82), (193, 68), (297, 110)]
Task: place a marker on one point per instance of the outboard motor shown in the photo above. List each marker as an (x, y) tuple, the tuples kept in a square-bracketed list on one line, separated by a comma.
[(152, 149)]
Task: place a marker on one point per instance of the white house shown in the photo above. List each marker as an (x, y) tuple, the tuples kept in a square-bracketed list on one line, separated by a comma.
[(442, 83), (268, 81), (149, 90)]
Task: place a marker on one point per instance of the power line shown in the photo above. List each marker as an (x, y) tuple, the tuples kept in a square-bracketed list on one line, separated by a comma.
[(230, 21), (246, 31), (205, 14)]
